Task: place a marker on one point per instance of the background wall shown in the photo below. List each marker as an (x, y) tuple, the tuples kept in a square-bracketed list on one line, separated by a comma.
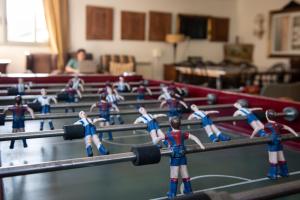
[(246, 12), (240, 12)]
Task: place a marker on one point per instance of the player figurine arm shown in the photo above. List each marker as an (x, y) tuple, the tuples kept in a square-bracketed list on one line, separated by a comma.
[(138, 120), (81, 87), (162, 104), (128, 86), (27, 86), (149, 91), (120, 97), (134, 89), (191, 116), (161, 97), (79, 94), (195, 139), (254, 109), (289, 129), (211, 112), (30, 112), (53, 99), (116, 108), (98, 120), (92, 107), (184, 104), (235, 114), (159, 115)]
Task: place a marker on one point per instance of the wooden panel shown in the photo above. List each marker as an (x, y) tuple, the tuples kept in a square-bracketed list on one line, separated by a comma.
[(219, 29), (170, 73), (160, 25), (99, 23), (133, 25)]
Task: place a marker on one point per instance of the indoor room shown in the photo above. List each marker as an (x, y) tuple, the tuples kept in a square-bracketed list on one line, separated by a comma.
[(149, 99)]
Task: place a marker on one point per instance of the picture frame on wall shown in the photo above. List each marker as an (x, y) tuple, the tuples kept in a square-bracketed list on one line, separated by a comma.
[(284, 35)]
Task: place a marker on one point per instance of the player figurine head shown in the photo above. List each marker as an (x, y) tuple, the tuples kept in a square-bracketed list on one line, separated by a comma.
[(270, 114), (194, 108), (175, 123), (237, 105), (102, 97), (43, 92), (142, 110), (121, 79), (18, 100), (20, 81), (82, 115)]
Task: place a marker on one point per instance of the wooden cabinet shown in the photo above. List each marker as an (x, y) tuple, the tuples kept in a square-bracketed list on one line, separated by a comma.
[(170, 73), (218, 29)]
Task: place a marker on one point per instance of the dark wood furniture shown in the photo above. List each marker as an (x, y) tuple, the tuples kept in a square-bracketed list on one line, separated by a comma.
[(160, 25), (41, 62), (133, 25), (99, 23), (218, 29), (3, 65), (170, 72)]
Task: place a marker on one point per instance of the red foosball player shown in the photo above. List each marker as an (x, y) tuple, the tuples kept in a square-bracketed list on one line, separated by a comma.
[(178, 160), (278, 164)]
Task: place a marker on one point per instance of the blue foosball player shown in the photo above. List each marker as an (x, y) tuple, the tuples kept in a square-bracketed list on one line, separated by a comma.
[(18, 125), (45, 100), (152, 125), (122, 86), (90, 134), (278, 164), (211, 130), (113, 98), (251, 118), (178, 161)]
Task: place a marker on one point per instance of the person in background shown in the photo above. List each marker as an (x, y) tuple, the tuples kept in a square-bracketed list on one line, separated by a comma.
[(72, 65)]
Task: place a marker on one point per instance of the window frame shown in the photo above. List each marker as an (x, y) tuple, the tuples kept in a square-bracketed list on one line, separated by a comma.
[(5, 41)]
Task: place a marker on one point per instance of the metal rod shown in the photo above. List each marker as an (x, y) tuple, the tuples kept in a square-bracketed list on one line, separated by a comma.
[(114, 128), (269, 192), (129, 102), (122, 112), (122, 157), (40, 85), (32, 97), (51, 91)]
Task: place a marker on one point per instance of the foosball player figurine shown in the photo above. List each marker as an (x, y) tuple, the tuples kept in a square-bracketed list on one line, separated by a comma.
[(166, 95), (174, 106), (71, 92), (18, 124), (172, 88), (90, 134), (76, 83), (278, 164), (122, 86), (207, 124), (152, 125), (113, 99), (178, 161), (45, 100), (251, 118), (21, 87), (141, 90), (104, 113)]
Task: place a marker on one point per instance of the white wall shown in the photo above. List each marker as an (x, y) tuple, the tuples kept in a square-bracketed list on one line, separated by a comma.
[(246, 12), (142, 50)]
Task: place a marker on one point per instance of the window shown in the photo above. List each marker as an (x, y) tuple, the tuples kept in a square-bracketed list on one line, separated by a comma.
[(25, 21)]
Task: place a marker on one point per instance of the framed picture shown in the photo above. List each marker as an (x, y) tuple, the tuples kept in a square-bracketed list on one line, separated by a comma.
[(239, 53), (284, 37)]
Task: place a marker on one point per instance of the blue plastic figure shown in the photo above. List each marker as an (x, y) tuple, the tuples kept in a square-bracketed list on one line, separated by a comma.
[(122, 86), (152, 125), (90, 134), (278, 164), (251, 118), (18, 125), (21, 87), (45, 100), (113, 99), (178, 161), (207, 124)]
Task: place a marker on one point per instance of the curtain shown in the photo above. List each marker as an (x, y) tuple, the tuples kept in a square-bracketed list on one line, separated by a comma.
[(57, 18)]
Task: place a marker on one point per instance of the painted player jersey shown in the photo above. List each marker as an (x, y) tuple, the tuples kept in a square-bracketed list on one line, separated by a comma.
[(112, 98), (250, 116), (44, 100), (275, 129), (18, 111), (204, 118)]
